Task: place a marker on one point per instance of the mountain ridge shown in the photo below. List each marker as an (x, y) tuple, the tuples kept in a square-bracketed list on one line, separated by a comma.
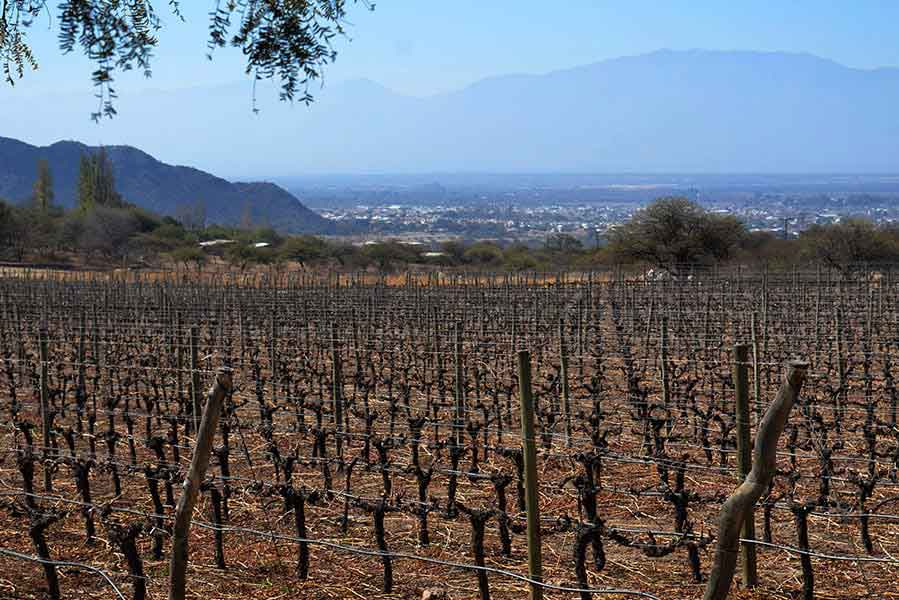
[(659, 53), (694, 111), (154, 185)]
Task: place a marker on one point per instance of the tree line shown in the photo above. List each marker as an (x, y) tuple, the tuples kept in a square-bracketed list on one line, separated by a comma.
[(666, 235), (101, 226)]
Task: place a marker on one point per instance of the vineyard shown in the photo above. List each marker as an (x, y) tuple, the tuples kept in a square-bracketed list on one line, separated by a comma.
[(370, 443)]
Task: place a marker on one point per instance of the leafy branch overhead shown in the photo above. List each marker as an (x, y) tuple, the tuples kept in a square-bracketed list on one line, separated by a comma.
[(287, 40)]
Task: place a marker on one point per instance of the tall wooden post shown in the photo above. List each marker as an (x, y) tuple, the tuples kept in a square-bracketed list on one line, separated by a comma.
[(191, 486), (744, 458), (756, 372), (529, 448), (45, 409), (80, 385), (273, 358), (566, 390), (337, 391), (818, 317), (459, 420), (841, 371), (734, 510), (179, 358), (195, 376), (663, 366)]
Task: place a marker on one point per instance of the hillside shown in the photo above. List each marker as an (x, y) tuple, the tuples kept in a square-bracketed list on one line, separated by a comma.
[(668, 111), (151, 184)]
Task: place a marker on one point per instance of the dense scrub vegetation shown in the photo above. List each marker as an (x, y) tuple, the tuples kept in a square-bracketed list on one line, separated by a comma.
[(104, 228)]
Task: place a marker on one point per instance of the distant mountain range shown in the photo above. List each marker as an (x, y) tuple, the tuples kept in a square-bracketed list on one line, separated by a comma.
[(151, 184), (691, 111)]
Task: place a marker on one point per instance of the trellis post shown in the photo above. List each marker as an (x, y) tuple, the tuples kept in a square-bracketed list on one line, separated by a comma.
[(529, 447)]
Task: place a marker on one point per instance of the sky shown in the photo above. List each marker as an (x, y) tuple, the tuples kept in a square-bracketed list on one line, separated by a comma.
[(425, 47), (198, 112)]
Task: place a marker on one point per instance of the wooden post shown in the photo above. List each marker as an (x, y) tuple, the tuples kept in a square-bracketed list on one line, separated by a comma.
[(459, 420), (191, 486), (764, 466), (179, 359), (529, 448), (765, 324), (566, 390), (45, 409), (80, 386), (756, 372), (195, 376), (744, 458), (272, 357), (336, 391), (652, 305), (818, 317), (663, 366), (841, 372)]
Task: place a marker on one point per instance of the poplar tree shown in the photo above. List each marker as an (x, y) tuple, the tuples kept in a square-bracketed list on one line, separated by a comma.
[(86, 193), (96, 182), (43, 194)]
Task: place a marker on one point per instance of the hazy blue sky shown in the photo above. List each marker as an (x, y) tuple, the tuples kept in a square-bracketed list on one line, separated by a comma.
[(422, 47), (197, 112)]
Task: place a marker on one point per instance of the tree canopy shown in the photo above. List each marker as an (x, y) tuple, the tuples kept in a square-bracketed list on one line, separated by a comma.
[(846, 245), (676, 231), (96, 182), (103, 228), (43, 194), (281, 39)]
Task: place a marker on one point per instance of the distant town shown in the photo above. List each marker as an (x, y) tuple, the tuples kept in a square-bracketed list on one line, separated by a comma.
[(433, 213)]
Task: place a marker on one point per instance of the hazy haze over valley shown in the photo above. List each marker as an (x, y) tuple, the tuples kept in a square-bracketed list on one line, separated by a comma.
[(666, 111)]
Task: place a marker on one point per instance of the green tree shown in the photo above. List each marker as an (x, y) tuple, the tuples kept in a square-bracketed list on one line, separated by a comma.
[(246, 255), (43, 194), (86, 194), (519, 257), (675, 231), (766, 248), (484, 254), (348, 255), (562, 243), (189, 255), (96, 182), (454, 250), (8, 225), (305, 249), (285, 40), (562, 250), (387, 254), (720, 235), (104, 187), (847, 245)]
